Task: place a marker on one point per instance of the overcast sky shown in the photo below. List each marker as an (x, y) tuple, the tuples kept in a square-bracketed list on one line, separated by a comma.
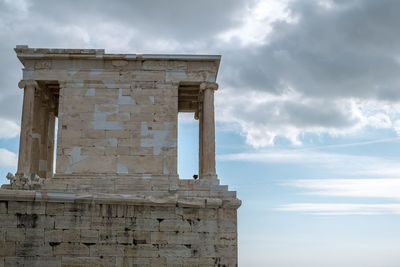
[(308, 110)]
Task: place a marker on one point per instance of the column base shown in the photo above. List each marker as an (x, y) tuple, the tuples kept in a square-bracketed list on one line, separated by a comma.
[(209, 176)]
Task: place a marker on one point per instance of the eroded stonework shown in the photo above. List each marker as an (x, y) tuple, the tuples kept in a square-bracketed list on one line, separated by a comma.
[(115, 198)]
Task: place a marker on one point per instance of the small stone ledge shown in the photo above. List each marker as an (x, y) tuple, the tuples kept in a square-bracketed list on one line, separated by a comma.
[(122, 199)]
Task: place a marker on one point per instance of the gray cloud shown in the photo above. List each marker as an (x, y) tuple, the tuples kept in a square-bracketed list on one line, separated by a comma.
[(329, 55), (349, 50)]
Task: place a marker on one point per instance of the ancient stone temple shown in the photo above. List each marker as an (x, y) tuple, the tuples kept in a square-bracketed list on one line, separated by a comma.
[(115, 197)]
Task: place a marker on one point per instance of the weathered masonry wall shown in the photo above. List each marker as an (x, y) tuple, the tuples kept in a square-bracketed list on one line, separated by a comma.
[(118, 127), (39, 232)]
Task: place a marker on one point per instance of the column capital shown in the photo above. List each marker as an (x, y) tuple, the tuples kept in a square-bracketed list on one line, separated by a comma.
[(28, 83), (208, 85)]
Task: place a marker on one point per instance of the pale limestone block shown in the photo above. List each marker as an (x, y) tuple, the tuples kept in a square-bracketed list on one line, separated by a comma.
[(209, 226), (44, 262), (8, 220), (3, 207), (71, 249), (71, 235), (17, 207), (7, 249), (77, 222), (207, 261), (117, 133), (158, 262), (35, 234), (107, 236), (3, 234), (36, 208), (139, 164), (103, 164), (112, 108), (175, 251), (124, 116), (54, 208), (227, 226), (107, 250), (101, 223), (32, 248), (140, 224), (147, 76), (154, 65), (89, 236), (175, 225), (227, 239), (141, 237), (142, 250), (15, 234), (51, 235), (125, 237), (79, 261), (195, 66), (14, 261)]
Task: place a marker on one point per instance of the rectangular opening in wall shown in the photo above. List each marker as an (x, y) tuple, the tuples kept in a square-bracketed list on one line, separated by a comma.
[(49, 91), (188, 130)]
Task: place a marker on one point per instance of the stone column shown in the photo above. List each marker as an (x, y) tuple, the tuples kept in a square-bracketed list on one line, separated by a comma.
[(200, 117), (208, 131), (25, 142), (43, 131), (37, 128), (50, 141)]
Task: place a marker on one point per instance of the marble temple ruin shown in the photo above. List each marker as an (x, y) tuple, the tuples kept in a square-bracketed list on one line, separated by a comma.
[(115, 197)]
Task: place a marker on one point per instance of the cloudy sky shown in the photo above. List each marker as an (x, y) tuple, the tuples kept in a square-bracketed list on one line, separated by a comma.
[(308, 111)]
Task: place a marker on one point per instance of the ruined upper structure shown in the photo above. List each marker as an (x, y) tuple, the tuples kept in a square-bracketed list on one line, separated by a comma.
[(117, 113)]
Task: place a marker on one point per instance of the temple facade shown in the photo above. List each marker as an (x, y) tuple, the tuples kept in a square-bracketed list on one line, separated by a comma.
[(114, 196)]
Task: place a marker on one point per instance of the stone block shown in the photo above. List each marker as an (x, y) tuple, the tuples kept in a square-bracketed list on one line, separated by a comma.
[(53, 236), (7, 248), (71, 249), (89, 236), (107, 250), (35, 208), (71, 235), (88, 261), (14, 261), (142, 251), (44, 262), (54, 208), (175, 225), (15, 207), (15, 234), (33, 249), (3, 207), (75, 222), (175, 251), (8, 220)]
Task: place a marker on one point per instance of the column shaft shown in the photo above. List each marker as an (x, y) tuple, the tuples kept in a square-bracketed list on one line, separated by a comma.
[(208, 131), (36, 133), (50, 143), (200, 140), (25, 143), (44, 125)]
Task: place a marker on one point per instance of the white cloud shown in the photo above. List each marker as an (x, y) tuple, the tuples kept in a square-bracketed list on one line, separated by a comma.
[(8, 129), (7, 158), (335, 163), (366, 188), (342, 209), (257, 23)]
